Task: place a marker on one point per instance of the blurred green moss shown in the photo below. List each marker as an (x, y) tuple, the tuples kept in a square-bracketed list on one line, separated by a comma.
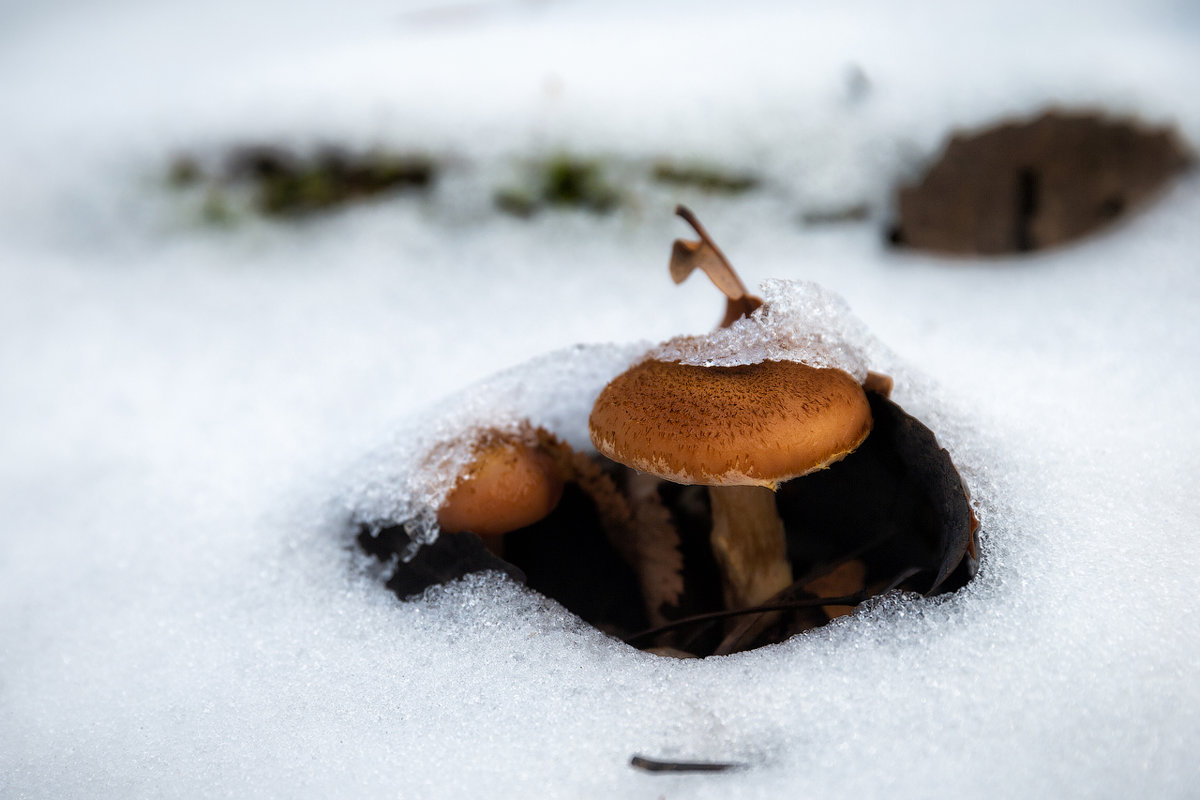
[(283, 183), (579, 183), (183, 172), (288, 185), (562, 181), (854, 212), (516, 201), (706, 177), (216, 209)]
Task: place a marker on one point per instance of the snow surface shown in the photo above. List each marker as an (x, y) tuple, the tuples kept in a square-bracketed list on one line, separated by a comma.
[(181, 612)]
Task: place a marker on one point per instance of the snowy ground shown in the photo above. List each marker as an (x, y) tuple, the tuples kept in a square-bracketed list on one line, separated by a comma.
[(180, 615)]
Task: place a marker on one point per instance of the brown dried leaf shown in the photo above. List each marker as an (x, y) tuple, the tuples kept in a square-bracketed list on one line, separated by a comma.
[(897, 502), (1028, 184), (611, 505), (659, 562), (688, 255), (639, 528)]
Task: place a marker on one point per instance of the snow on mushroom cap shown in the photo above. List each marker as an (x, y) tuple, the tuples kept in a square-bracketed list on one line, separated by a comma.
[(798, 321)]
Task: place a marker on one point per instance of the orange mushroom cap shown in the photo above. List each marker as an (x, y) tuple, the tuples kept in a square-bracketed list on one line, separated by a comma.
[(749, 425), (508, 485)]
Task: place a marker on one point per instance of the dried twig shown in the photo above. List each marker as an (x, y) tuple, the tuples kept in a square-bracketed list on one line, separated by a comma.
[(655, 765), (792, 605)]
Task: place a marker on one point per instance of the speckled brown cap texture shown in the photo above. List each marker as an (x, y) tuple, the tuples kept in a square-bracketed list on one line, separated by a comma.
[(752, 425)]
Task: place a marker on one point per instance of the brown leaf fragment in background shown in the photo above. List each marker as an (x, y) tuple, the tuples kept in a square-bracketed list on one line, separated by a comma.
[(1024, 185)]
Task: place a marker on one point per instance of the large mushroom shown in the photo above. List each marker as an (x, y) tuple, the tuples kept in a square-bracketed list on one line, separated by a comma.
[(740, 431)]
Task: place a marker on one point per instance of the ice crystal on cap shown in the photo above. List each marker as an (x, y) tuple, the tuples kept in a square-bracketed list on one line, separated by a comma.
[(798, 321)]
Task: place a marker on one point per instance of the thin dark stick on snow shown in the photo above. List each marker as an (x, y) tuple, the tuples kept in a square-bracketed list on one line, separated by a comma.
[(654, 765)]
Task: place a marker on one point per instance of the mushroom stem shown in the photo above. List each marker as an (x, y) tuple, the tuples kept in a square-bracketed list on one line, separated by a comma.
[(749, 544)]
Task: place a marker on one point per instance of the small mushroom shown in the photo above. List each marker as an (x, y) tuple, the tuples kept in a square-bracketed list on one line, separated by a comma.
[(740, 431), (509, 484)]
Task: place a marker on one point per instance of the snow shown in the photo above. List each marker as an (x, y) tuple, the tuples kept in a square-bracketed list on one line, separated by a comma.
[(182, 613)]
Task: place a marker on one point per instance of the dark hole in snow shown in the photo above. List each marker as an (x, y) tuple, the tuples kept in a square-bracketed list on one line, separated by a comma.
[(892, 515), (1019, 186)]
